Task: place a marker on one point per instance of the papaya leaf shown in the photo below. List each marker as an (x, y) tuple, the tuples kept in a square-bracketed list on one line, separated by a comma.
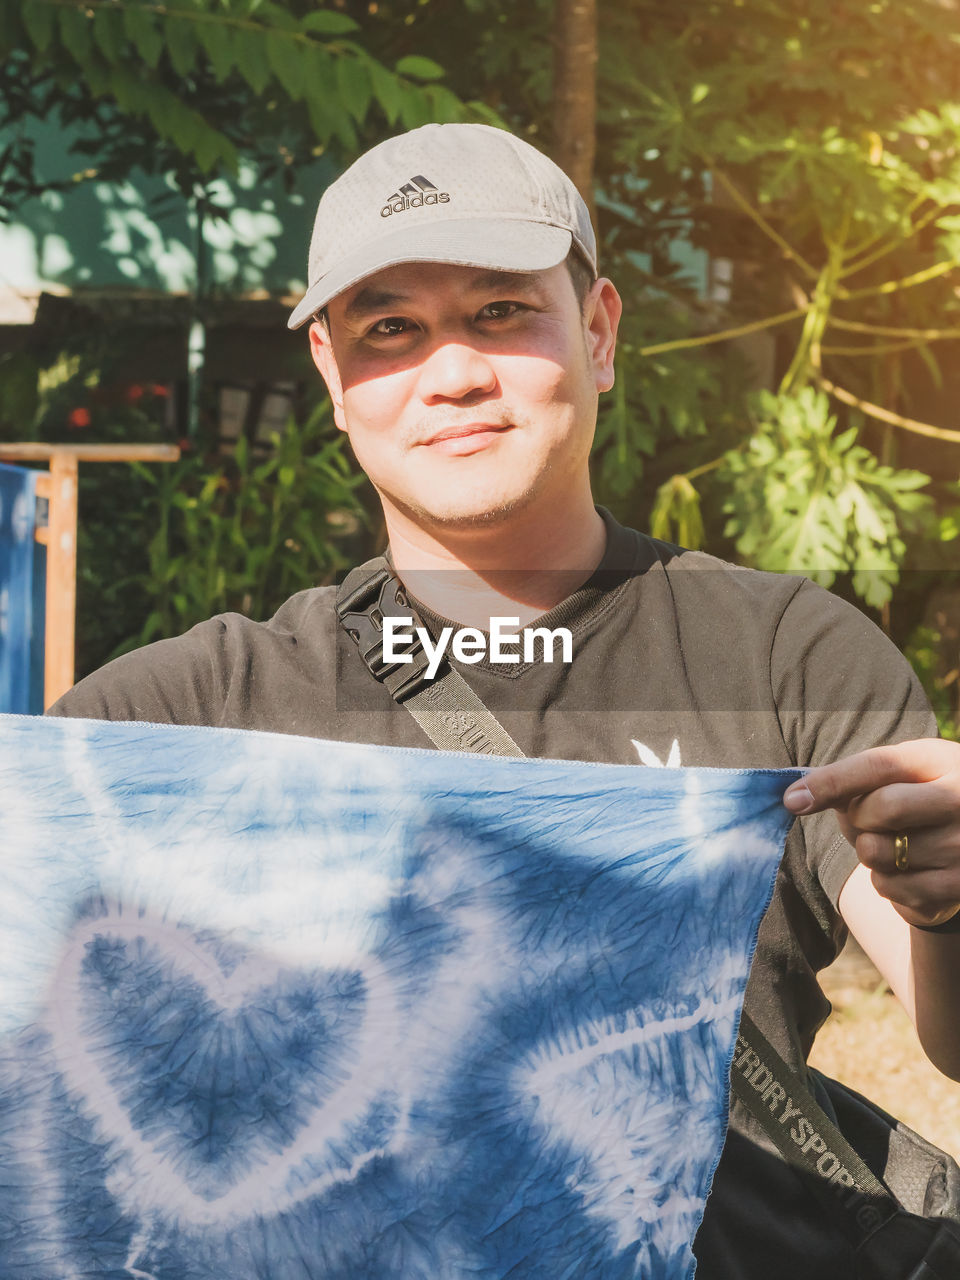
[(803, 499), (676, 515)]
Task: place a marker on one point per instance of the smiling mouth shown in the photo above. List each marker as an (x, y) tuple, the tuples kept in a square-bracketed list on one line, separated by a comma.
[(467, 437)]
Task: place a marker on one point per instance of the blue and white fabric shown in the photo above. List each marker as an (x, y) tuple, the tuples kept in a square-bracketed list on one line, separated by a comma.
[(276, 1007), (17, 586)]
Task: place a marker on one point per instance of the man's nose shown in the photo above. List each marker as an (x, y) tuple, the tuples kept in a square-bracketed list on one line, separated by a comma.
[(455, 370)]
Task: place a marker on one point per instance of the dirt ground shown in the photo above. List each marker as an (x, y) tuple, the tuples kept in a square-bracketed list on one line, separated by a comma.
[(869, 1044)]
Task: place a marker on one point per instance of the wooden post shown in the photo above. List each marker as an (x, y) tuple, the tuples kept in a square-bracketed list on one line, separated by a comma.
[(59, 486), (61, 579)]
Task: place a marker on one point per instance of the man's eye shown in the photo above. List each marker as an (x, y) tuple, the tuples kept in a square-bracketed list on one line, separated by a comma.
[(390, 327), (500, 310)]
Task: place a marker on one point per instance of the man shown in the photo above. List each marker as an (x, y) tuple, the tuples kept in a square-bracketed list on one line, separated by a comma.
[(459, 324)]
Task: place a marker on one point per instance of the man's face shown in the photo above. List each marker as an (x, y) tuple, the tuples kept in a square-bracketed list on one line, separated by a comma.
[(468, 394)]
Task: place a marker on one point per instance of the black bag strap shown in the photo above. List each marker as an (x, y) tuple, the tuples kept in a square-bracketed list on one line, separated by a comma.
[(454, 719), (446, 708), (782, 1104)]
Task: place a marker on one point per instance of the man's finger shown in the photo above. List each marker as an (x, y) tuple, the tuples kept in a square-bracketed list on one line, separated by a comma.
[(833, 786), (907, 806)]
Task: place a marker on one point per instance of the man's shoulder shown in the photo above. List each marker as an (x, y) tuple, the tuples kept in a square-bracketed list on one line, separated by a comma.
[(700, 579), (188, 679), (781, 619)]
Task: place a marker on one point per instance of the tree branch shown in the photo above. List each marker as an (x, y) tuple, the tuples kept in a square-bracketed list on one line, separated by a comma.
[(881, 348), (885, 415), (906, 282), (757, 217), (891, 245), (705, 468), (890, 331), (868, 241), (704, 340)]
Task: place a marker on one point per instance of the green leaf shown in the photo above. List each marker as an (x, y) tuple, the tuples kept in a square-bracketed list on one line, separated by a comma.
[(387, 90), (317, 110), (483, 114), (416, 67), (213, 150), (19, 390), (327, 22), (11, 29), (108, 34), (804, 499), (343, 128), (217, 39), (415, 109), (444, 104), (287, 63), (38, 20), (145, 33), (353, 86), (76, 34), (276, 16), (251, 56), (676, 513), (181, 44)]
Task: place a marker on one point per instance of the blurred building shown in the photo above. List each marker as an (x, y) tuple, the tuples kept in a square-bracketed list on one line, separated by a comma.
[(135, 259)]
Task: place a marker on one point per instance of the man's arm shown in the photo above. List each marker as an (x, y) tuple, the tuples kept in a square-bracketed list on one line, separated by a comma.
[(912, 789)]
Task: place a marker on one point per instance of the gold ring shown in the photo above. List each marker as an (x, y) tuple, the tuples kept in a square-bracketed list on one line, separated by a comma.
[(901, 847)]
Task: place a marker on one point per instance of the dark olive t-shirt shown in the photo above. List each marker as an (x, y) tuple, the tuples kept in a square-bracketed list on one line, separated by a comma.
[(678, 658)]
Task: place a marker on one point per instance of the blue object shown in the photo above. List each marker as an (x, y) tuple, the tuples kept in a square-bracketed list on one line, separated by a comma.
[(289, 1008), (21, 648)]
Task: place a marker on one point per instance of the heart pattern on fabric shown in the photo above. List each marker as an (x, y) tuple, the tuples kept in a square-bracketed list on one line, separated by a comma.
[(220, 1075)]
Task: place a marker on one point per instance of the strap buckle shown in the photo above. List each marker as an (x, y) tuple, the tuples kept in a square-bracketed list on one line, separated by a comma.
[(361, 613)]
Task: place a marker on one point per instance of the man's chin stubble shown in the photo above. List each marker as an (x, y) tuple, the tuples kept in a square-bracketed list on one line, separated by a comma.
[(463, 521)]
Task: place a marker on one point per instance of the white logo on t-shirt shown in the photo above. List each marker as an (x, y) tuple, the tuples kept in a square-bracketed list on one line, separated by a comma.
[(653, 761)]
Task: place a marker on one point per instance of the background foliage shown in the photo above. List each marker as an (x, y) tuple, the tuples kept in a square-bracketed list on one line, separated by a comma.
[(243, 536)]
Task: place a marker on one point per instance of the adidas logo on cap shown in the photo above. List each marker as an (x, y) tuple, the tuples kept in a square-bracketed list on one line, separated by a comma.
[(413, 195)]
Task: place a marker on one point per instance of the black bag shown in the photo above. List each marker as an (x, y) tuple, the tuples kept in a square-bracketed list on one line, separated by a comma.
[(894, 1195), (923, 1178)]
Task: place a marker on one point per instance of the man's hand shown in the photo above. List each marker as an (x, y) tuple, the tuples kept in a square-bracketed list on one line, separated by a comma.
[(912, 789)]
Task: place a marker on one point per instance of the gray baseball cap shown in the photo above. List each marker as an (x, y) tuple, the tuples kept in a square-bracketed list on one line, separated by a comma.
[(467, 194)]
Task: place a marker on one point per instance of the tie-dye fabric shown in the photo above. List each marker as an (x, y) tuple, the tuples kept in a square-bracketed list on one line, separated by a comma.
[(281, 1008)]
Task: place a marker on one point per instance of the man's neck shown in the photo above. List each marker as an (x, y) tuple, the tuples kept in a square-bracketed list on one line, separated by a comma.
[(520, 568)]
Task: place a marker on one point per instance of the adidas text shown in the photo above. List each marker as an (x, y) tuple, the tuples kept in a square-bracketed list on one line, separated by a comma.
[(414, 195), (414, 202)]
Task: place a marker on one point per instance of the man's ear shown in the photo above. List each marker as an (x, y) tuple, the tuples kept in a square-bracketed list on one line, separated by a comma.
[(321, 349), (601, 315)]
